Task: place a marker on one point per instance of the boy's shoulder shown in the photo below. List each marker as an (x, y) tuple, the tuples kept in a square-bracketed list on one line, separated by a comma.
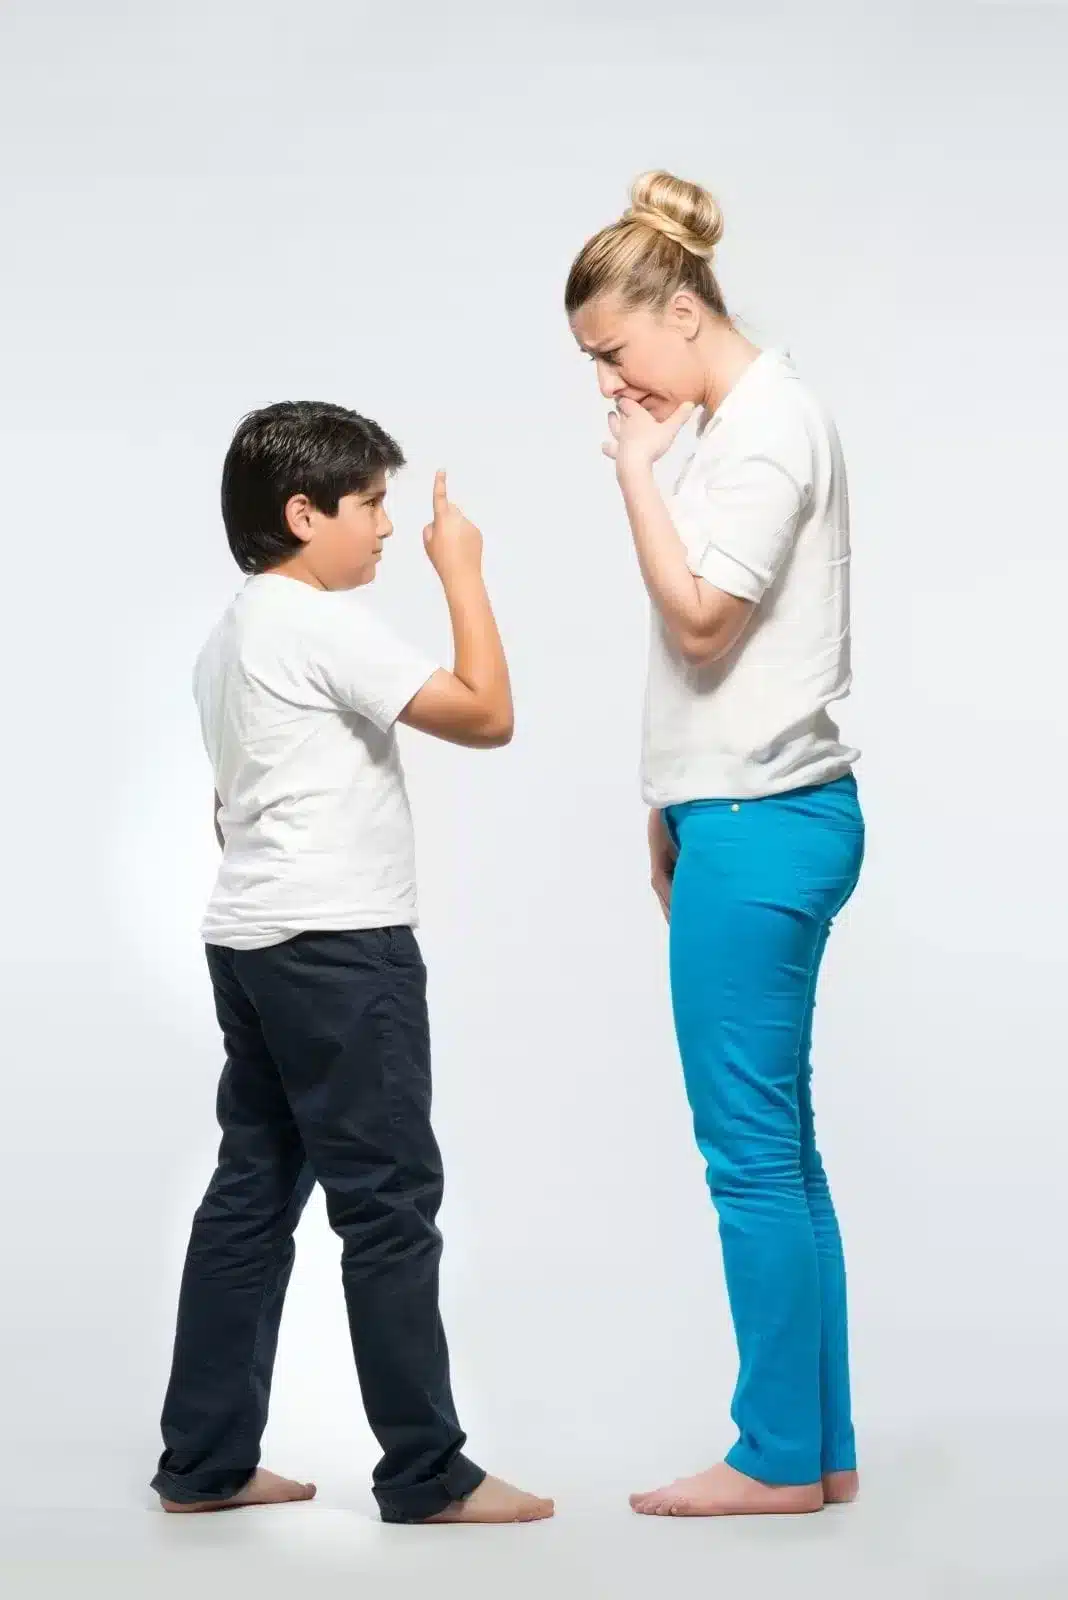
[(275, 619), (270, 609)]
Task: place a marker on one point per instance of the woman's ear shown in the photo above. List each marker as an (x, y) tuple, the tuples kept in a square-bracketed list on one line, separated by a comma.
[(685, 313)]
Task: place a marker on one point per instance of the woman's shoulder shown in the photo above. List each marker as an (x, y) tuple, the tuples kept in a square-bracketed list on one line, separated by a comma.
[(781, 398), (779, 418)]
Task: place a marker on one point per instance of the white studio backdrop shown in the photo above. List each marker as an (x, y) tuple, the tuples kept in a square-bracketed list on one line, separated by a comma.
[(210, 207)]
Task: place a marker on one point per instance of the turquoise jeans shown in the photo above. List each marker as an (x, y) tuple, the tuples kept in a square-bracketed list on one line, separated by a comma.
[(756, 886)]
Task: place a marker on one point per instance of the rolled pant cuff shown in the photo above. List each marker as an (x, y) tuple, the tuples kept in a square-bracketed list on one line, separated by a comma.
[(460, 1479), (782, 1471), (184, 1492)]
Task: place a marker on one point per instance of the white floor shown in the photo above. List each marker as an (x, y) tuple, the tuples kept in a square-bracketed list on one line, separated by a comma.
[(937, 1522)]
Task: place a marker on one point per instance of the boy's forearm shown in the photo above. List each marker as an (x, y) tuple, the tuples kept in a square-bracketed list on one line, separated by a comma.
[(479, 659)]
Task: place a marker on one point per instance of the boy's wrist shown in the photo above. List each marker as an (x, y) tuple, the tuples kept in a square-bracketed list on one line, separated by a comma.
[(457, 580)]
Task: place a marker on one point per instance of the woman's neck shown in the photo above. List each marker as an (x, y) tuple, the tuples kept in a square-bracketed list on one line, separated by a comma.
[(726, 354)]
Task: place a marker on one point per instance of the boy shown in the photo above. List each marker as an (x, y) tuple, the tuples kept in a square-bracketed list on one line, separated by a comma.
[(320, 989)]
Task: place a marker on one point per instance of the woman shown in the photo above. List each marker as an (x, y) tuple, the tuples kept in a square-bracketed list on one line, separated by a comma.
[(755, 830)]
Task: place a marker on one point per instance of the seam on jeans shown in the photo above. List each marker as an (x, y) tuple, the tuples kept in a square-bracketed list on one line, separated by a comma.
[(276, 1250), (394, 1050)]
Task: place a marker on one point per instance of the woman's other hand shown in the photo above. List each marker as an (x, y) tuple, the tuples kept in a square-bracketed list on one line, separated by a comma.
[(637, 437), (662, 859)]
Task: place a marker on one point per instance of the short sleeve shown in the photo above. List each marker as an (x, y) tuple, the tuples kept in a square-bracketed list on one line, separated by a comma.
[(363, 666), (738, 523)]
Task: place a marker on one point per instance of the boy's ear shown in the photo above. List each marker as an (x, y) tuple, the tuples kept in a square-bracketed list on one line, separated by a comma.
[(298, 515)]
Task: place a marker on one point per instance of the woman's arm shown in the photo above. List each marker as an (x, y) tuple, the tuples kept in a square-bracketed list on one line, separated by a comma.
[(662, 859), (704, 621), (745, 526)]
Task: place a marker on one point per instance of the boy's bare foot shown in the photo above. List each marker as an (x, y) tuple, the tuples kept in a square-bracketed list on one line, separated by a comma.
[(723, 1492), (495, 1501), (263, 1489), (840, 1488)]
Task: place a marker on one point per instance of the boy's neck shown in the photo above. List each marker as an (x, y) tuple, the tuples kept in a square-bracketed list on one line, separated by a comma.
[(297, 569)]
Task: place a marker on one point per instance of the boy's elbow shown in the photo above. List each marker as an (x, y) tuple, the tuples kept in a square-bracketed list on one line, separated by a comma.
[(497, 731)]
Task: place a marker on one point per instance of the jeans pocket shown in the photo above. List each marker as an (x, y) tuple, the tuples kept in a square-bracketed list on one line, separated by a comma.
[(401, 948)]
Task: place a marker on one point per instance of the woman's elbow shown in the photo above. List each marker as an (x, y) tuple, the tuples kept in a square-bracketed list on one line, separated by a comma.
[(699, 649), (702, 643)]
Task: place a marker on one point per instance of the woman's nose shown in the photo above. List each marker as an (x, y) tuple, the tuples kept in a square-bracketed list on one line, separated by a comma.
[(610, 382)]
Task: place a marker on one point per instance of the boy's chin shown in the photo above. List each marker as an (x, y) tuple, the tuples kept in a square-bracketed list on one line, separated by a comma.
[(358, 580)]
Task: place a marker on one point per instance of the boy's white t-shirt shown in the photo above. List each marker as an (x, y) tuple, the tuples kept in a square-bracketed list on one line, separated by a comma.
[(298, 691), (762, 508)]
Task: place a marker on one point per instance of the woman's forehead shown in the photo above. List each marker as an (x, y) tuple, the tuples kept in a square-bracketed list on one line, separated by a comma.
[(599, 322)]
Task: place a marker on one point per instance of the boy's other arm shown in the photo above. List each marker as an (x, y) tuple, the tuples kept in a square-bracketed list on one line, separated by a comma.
[(218, 829), (472, 704)]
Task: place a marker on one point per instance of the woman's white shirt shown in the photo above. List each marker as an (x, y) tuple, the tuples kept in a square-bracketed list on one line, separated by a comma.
[(762, 508)]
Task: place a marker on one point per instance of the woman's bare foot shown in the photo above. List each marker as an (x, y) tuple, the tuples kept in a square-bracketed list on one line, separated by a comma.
[(495, 1501), (263, 1489), (723, 1492), (840, 1488)]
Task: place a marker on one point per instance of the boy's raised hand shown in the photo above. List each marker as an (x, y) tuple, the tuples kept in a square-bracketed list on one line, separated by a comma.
[(453, 544), (472, 704)]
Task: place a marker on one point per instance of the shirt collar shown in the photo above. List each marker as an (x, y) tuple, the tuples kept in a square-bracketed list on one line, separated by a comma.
[(769, 360)]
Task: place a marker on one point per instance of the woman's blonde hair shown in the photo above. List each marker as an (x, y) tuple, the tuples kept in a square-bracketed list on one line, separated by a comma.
[(664, 242)]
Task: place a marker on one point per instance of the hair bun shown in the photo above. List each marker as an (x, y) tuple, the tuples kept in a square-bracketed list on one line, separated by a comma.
[(683, 211)]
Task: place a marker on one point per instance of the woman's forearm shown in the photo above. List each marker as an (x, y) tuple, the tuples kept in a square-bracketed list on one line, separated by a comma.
[(703, 621), (661, 556)]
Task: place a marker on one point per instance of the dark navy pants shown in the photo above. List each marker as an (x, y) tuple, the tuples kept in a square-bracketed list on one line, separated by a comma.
[(327, 1079)]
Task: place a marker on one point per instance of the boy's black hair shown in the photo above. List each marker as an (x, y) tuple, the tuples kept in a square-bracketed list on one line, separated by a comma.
[(297, 447)]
